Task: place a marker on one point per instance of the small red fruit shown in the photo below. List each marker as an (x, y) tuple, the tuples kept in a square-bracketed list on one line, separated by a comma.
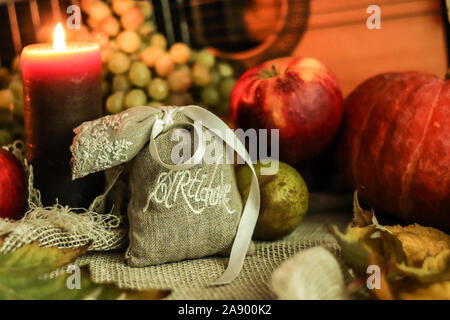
[(13, 190), (298, 96)]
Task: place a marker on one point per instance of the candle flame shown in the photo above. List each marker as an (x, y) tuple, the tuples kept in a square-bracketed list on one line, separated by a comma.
[(59, 43)]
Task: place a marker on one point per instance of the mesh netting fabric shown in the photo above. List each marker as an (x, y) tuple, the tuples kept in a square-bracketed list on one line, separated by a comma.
[(60, 226)]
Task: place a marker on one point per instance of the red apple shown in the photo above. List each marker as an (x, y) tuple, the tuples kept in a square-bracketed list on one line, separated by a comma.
[(298, 96), (13, 191)]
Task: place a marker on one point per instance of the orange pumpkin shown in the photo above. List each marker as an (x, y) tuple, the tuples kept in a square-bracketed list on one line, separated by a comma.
[(395, 145)]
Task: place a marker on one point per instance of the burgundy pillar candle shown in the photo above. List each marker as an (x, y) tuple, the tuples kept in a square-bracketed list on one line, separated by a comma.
[(62, 87)]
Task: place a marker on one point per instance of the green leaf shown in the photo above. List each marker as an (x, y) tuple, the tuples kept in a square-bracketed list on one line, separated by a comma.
[(21, 277), (57, 288), (32, 259)]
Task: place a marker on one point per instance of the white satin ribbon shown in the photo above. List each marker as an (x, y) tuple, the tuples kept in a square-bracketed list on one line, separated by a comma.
[(164, 124), (251, 210)]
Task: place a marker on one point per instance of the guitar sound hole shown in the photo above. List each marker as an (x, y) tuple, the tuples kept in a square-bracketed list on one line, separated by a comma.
[(234, 25), (248, 32)]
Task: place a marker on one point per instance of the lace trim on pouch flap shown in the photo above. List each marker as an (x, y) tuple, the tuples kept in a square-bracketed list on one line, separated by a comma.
[(110, 141)]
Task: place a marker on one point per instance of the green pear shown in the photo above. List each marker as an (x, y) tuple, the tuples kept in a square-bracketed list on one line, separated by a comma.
[(284, 199)]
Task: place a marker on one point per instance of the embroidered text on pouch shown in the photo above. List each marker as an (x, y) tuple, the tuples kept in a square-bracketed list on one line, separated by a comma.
[(193, 186)]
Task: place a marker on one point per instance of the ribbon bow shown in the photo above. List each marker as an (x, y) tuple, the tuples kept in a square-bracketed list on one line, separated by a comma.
[(164, 124)]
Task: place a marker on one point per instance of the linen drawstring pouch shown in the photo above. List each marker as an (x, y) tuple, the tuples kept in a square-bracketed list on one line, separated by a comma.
[(180, 207)]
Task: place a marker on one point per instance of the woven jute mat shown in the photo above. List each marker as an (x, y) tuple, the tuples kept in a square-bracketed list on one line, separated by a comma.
[(189, 279)]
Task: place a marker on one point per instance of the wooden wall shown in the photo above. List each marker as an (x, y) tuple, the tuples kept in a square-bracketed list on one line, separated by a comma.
[(411, 38)]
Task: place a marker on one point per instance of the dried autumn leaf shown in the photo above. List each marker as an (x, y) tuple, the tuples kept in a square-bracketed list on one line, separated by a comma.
[(387, 246), (360, 248), (364, 218), (433, 269), (384, 291), (361, 245), (361, 218), (21, 274), (420, 242), (414, 261)]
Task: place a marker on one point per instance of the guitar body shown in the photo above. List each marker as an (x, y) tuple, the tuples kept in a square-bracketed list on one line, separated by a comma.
[(248, 32), (412, 34)]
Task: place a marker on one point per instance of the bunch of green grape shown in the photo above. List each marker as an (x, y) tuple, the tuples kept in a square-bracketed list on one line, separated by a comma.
[(11, 105), (141, 69)]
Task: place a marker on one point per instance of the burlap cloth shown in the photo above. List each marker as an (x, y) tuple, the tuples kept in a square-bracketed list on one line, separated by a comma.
[(59, 226), (188, 279)]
